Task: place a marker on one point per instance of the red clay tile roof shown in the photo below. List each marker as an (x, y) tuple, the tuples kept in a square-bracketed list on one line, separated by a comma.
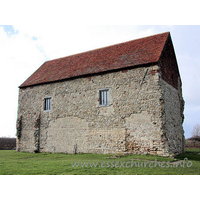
[(128, 54)]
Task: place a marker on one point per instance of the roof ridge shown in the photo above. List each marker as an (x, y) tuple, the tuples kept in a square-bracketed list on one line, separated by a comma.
[(112, 45), (133, 53)]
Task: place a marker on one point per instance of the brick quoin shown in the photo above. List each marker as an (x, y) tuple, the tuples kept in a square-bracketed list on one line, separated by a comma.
[(153, 72), (124, 71)]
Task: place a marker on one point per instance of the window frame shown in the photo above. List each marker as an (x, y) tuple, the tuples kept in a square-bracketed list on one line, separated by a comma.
[(47, 108), (104, 99)]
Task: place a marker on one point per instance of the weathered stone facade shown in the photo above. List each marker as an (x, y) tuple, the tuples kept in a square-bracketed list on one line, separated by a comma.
[(144, 115)]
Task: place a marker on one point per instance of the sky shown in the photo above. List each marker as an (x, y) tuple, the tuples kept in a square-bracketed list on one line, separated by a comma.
[(24, 49), (46, 29)]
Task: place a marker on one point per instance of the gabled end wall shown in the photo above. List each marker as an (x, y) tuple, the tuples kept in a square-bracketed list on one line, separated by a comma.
[(172, 101)]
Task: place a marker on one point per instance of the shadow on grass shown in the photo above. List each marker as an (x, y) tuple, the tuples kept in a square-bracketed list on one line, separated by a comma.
[(191, 154)]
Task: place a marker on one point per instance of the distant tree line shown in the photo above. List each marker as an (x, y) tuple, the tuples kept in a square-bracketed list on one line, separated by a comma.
[(196, 131)]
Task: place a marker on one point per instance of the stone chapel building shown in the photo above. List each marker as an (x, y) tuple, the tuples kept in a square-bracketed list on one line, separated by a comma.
[(125, 98)]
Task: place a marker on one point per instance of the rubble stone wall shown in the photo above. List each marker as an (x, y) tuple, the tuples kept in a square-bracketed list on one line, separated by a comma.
[(132, 123), (172, 117)]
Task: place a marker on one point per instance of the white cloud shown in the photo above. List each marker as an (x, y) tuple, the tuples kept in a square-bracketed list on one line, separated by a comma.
[(22, 53), (190, 73), (20, 57), (58, 41), (189, 70)]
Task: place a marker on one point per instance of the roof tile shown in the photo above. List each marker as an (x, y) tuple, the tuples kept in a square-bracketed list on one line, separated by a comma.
[(128, 54)]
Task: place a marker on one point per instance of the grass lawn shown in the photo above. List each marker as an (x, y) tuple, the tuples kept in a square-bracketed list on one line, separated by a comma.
[(13, 163)]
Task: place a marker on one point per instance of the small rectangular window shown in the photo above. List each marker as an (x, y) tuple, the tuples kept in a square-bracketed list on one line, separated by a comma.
[(104, 97), (47, 104)]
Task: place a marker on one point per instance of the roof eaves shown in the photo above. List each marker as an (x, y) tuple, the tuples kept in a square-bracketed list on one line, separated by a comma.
[(89, 75)]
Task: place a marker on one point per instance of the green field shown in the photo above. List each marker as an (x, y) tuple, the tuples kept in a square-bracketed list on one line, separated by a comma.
[(13, 163)]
